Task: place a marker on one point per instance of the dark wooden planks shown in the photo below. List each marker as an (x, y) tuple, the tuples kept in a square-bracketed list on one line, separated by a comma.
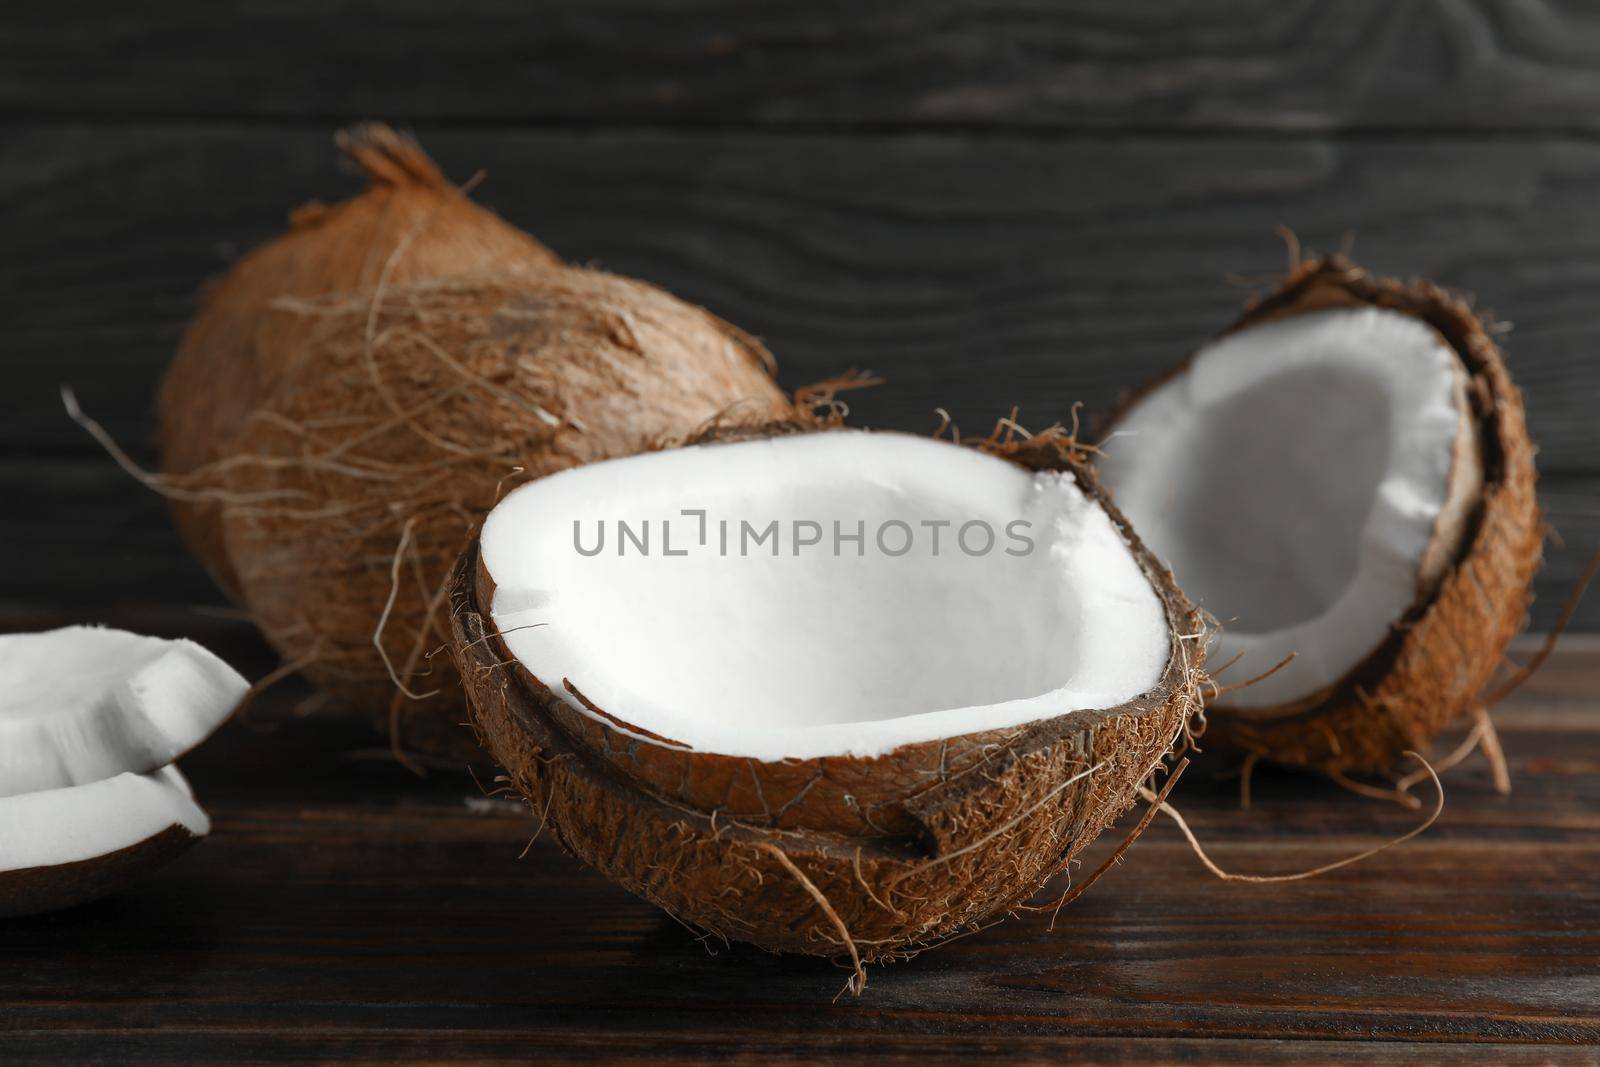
[(92, 537), (1241, 64), (976, 272), (396, 1044), (344, 908)]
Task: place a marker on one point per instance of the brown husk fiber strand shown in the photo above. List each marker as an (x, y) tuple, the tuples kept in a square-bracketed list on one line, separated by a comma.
[(357, 394), (919, 845), (32, 890), (1436, 662)]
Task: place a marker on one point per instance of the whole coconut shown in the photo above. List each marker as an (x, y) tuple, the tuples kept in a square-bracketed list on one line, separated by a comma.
[(410, 223), (353, 396)]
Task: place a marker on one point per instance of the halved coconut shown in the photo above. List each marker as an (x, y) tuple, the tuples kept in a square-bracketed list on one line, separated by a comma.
[(817, 690), (84, 703), (1344, 476), (60, 847)]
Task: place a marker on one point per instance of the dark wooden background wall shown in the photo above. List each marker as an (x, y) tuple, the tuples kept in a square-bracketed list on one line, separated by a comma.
[(989, 201)]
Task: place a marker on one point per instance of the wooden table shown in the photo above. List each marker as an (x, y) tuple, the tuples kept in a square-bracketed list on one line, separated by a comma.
[(343, 907)]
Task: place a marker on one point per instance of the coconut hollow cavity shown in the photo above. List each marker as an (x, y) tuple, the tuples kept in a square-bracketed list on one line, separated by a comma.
[(852, 748), (932, 591), (1344, 477)]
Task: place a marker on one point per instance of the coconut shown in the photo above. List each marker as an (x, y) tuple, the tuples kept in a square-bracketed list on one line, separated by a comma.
[(387, 368), (1344, 478), (411, 223), (84, 703), (61, 847), (90, 720), (826, 691)]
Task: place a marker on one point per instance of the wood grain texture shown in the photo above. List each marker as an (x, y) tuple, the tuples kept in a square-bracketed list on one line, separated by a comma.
[(976, 272), (343, 908), (1239, 64)]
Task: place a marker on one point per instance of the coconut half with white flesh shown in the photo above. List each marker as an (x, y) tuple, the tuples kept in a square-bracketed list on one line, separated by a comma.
[(90, 722), (826, 691), (1343, 477)]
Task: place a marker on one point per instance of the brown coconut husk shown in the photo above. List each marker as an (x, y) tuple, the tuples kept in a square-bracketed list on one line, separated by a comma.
[(355, 395), (1437, 662), (358, 487), (410, 223), (866, 858)]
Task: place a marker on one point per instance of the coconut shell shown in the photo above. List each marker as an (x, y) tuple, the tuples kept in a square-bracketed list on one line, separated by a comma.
[(410, 223), (1438, 660), (362, 479), (826, 856), (33, 890)]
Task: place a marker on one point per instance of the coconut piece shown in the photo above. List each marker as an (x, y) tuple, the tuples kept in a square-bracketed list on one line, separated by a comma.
[(815, 750), (353, 397), (1344, 476), (60, 847), (84, 703)]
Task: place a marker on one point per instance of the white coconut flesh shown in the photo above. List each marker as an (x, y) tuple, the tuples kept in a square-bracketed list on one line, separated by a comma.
[(81, 704), (55, 827), (1308, 480), (834, 648)]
